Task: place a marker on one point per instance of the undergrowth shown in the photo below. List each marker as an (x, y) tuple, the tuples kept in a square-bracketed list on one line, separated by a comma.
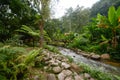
[(15, 64), (97, 74)]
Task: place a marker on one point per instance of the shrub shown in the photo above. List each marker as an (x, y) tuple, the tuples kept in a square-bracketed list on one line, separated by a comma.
[(97, 74), (14, 64), (8, 62), (14, 41), (78, 42)]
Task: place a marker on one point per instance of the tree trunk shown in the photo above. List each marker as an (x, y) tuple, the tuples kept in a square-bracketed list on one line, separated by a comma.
[(41, 25), (114, 39)]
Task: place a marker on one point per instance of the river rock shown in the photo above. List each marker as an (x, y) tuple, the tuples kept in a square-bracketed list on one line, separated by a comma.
[(57, 69), (45, 67), (85, 54), (64, 74), (59, 58), (65, 65), (58, 61), (61, 76), (92, 79), (51, 77), (92, 54), (36, 78), (76, 68), (77, 77), (96, 57), (105, 56), (86, 75), (79, 50), (64, 59), (53, 63), (67, 72), (69, 78)]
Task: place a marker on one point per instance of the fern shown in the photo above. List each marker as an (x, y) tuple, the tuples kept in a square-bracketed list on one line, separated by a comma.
[(27, 30), (31, 56)]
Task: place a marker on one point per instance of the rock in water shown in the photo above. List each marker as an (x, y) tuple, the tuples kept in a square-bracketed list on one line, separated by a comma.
[(76, 68), (105, 56), (96, 57)]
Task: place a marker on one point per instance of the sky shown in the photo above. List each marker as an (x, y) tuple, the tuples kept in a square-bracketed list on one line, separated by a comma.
[(62, 5)]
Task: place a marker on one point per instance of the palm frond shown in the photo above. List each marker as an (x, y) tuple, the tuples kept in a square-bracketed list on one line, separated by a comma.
[(27, 30)]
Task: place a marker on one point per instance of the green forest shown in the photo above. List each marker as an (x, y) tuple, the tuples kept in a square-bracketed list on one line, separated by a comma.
[(31, 40)]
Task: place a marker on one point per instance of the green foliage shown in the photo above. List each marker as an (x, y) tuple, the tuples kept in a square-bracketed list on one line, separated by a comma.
[(79, 42), (52, 26), (14, 13), (15, 64), (14, 41), (101, 35), (27, 30), (31, 56), (75, 19), (102, 7), (8, 63), (118, 12), (51, 48), (117, 77), (69, 36), (1, 44), (112, 16), (46, 37), (113, 24), (70, 59)]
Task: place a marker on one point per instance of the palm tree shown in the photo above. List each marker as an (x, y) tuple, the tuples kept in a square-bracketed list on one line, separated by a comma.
[(43, 8)]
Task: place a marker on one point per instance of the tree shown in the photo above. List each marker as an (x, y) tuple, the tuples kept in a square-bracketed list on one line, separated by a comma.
[(102, 7), (74, 20), (51, 26), (14, 13), (43, 8)]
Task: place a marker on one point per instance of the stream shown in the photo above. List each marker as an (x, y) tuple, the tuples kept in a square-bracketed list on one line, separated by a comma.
[(92, 63)]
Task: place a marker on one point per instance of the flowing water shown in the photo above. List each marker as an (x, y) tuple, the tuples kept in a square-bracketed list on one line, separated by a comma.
[(95, 64)]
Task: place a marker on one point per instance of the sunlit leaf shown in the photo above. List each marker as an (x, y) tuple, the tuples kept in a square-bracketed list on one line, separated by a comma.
[(99, 16), (112, 16), (118, 12)]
